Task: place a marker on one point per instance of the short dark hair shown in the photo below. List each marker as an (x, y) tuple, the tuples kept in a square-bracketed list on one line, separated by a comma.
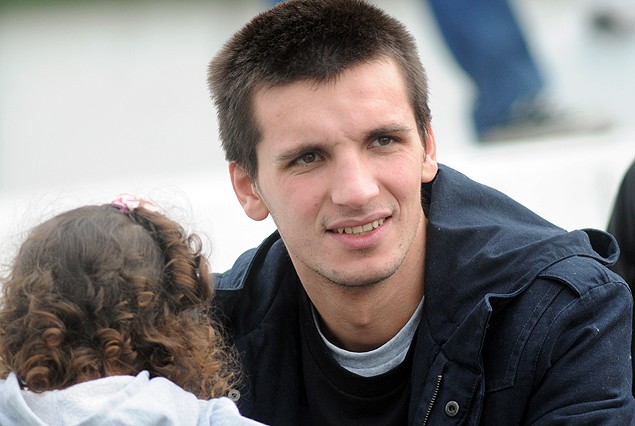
[(305, 40), (95, 292)]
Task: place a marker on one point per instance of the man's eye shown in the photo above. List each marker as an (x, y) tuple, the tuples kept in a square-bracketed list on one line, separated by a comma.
[(308, 158), (383, 141)]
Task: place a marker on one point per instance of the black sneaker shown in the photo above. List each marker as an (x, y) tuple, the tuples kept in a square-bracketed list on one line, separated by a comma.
[(614, 21), (541, 119)]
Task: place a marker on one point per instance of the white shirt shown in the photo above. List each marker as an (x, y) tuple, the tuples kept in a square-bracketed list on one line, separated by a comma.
[(116, 400)]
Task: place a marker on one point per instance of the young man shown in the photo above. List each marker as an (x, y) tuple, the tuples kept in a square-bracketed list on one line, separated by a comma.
[(396, 290)]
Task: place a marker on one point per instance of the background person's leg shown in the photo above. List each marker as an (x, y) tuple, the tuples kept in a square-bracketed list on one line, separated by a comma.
[(487, 42)]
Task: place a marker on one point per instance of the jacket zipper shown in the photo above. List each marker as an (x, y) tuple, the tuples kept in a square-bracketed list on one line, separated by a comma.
[(434, 398)]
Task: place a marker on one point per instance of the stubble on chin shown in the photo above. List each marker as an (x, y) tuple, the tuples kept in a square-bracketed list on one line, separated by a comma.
[(342, 280)]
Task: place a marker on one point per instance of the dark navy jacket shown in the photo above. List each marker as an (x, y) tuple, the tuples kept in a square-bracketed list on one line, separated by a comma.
[(522, 323)]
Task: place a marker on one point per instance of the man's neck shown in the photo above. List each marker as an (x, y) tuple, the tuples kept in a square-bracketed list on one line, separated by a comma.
[(363, 318)]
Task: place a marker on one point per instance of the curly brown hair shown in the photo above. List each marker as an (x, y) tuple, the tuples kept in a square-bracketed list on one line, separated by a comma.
[(95, 292)]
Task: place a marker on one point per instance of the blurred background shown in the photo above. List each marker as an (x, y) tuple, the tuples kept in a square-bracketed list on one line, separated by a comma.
[(110, 96)]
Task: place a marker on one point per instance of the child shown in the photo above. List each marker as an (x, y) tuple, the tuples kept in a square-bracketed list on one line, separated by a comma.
[(105, 319)]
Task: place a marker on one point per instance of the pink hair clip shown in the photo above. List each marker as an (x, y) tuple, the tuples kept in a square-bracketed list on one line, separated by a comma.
[(128, 203)]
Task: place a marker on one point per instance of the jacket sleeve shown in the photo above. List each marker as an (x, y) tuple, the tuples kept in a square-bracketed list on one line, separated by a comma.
[(583, 371), (622, 226)]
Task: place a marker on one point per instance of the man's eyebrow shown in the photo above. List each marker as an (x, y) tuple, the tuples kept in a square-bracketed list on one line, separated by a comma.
[(387, 130), (296, 152)]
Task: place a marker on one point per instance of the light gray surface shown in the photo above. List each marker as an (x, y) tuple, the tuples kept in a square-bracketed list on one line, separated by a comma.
[(98, 100)]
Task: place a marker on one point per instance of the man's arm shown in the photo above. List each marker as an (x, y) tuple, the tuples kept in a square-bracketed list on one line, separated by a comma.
[(622, 226), (584, 365)]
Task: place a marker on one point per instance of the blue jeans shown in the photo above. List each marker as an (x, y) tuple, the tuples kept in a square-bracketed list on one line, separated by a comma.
[(487, 42)]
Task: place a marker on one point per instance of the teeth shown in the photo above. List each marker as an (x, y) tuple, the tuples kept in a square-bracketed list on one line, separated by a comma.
[(360, 229)]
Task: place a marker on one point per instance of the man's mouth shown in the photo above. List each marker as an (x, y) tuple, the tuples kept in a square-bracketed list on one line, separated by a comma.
[(361, 229)]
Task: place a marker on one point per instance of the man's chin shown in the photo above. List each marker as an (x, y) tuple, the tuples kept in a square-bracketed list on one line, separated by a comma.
[(362, 279)]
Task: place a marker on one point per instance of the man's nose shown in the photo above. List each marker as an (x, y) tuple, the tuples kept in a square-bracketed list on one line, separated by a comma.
[(354, 182)]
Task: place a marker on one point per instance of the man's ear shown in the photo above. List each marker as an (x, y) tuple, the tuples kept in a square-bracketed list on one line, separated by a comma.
[(245, 190), (429, 167)]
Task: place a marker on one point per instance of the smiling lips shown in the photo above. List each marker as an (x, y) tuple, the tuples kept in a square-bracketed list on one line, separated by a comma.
[(360, 230)]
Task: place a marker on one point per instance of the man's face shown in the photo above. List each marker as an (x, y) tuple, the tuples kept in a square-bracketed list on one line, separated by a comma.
[(340, 166)]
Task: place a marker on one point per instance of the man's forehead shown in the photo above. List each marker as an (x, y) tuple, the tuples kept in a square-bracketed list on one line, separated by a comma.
[(326, 78)]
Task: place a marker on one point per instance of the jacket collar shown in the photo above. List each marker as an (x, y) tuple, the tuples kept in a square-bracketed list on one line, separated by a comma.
[(483, 246)]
